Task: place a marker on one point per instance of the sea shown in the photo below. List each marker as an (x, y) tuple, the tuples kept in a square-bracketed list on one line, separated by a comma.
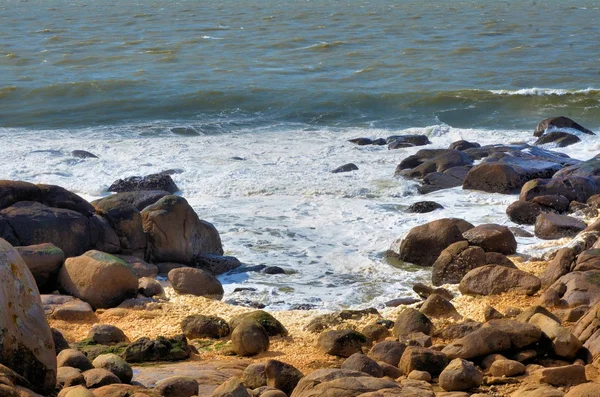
[(253, 103)]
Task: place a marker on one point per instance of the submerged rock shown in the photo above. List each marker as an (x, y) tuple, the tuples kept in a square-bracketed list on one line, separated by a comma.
[(558, 123), (345, 168), (148, 182)]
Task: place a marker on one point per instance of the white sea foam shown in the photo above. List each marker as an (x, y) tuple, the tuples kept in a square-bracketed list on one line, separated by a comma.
[(280, 206), (546, 91)]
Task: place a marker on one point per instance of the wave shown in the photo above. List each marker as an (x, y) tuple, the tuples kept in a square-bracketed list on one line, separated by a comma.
[(547, 91)]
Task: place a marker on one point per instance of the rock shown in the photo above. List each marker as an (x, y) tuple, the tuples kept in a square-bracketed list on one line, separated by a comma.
[(98, 377), (492, 238), (126, 221), (148, 182), (201, 326), (75, 391), (552, 226), (98, 278), (520, 334), (26, 343), (455, 261), (584, 390), (558, 266), (420, 375), (106, 334), (83, 154), (140, 267), (552, 203), (35, 223), (282, 376), (387, 351), (177, 386), (375, 332), (558, 138), (12, 192), (342, 343), (588, 260), (361, 141), (507, 368), (526, 314), (416, 339), (571, 187), (558, 124), (493, 178), (401, 302), (460, 375), (437, 306), (496, 258), (479, 343), (362, 363), (568, 375), (139, 199), (586, 169), (426, 161), (423, 244), (571, 315), (216, 264), (74, 310), (345, 168), (457, 331), (60, 343), (249, 338), (342, 383), (588, 325), (116, 365), (523, 212), (422, 207), (424, 291), (43, 261), (176, 234), (69, 376), (161, 349), (452, 177), (149, 287), (411, 320), (518, 232), (491, 313), (273, 393), (254, 376), (493, 280), (576, 289), (564, 343), (102, 236), (266, 320), (189, 280), (122, 390), (534, 390), (73, 358), (422, 359), (231, 388), (463, 145), (400, 141)]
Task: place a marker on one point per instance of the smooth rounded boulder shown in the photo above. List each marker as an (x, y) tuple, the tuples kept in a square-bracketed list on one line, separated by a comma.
[(249, 338), (198, 282), (201, 326), (343, 343), (44, 262), (126, 221), (26, 342), (460, 375), (493, 178), (553, 226), (523, 212), (340, 382), (494, 280), (176, 233), (98, 278), (116, 365), (492, 238), (411, 320)]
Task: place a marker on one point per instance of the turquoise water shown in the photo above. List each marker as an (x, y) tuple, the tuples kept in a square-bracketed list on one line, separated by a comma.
[(258, 62)]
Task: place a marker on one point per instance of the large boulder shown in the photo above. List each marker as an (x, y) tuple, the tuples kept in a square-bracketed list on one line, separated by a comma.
[(35, 223), (521, 334), (564, 343), (560, 123), (478, 343), (188, 280), (201, 326), (44, 262), (493, 178), (411, 320), (585, 169), (330, 382), (558, 266), (161, 349), (387, 351), (456, 261), (494, 279), (422, 359), (26, 343), (423, 244), (342, 343), (558, 139), (102, 236), (149, 182), (574, 289), (492, 238), (572, 188), (140, 199), (126, 221), (12, 192), (460, 375), (266, 320), (176, 234), (249, 338), (282, 376), (426, 161), (523, 212), (553, 226), (98, 278), (58, 197), (362, 363)]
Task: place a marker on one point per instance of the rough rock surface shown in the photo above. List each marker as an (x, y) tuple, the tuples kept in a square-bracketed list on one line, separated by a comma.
[(456, 261), (494, 279), (460, 375)]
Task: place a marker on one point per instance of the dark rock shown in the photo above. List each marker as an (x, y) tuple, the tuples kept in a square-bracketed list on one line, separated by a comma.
[(102, 236), (437, 306), (106, 334), (401, 301), (216, 264), (426, 161), (139, 267), (411, 320), (126, 221), (456, 261), (361, 141), (342, 343), (521, 334), (148, 182), (552, 226), (551, 203), (494, 279), (375, 332), (491, 313), (388, 351), (254, 376), (140, 199), (249, 338), (478, 343), (282, 376), (463, 145), (83, 154), (457, 331), (423, 207), (273, 270), (518, 232), (422, 359), (424, 291), (362, 363), (357, 314), (188, 280), (496, 258), (400, 141), (98, 377), (60, 343), (58, 197), (184, 131), (460, 375), (201, 326), (586, 169), (69, 376), (492, 238), (558, 123), (161, 349), (558, 138), (12, 192), (523, 212), (266, 320), (115, 364), (73, 358), (149, 287), (345, 168), (43, 261), (452, 177)]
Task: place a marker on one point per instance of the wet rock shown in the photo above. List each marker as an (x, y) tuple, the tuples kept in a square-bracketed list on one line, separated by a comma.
[(266, 320), (176, 234), (343, 343), (492, 238), (148, 182), (126, 221), (456, 261), (139, 199), (479, 343), (426, 161), (249, 338), (423, 244), (411, 320), (422, 359), (201, 326), (116, 365), (493, 280), (216, 264), (557, 138), (361, 141), (463, 145), (74, 359), (273, 270), (59, 197), (460, 375), (518, 232), (26, 343), (452, 177), (43, 261), (387, 351), (553, 226), (493, 178), (282, 376), (98, 278), (177, 386), (345, 168), (188, 280), (586, 169), (106, 334), (83, 154), (552, 203), (184, 131), (422, 207), (161, 349), (559, 123), (523, 212), (398, 141)]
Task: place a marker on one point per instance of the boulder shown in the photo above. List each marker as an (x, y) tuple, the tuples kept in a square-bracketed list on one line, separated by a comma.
[(560, 123), (423, 244), (586, 169), (558, 266), (106, 334), (463, 145), (568, 375), (523, 212), (343, 343), (388, 351), (507, 368), (553, 226), (35, 223), (249, 338), (492, 238), (126, 221), (217, 264), (575, 289), (268, 322), (282, 376), (460, 375), (231, 388), (422, 359), (73, 311), (189, 280), (496, 258), (58, 197), (98, 278), (478, 343), (452, 177), (494, 279), (584, 390), (161, 349), (12, 192), (521, 334), (455, 261), (60, 343), (362, 363), (26, 343), (411, 320), (140, 199), (149, 182), (564, 343), (102, 236), (588, 260), (83, 154), (401, 141), (424, 291), (176, 234), (345, 168), (490, 313), (43, 261), (201, 326), (558, 139), (177, 386), (73, 358), (422, 207), (552, 203), (116, 365), (140, 267), (254, 376), (69, 376), (330, 382), (493, 178), (149, 287), (440, 307), (376, 332), (571, 187)]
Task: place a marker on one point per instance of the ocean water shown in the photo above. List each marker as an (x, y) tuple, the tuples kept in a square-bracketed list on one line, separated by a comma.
[(283, 85)]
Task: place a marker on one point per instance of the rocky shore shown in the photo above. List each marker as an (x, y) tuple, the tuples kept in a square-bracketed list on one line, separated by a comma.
[(119, 297)]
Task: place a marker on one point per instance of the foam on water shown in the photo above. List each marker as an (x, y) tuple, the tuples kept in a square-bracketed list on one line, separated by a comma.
[(280, 205)]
